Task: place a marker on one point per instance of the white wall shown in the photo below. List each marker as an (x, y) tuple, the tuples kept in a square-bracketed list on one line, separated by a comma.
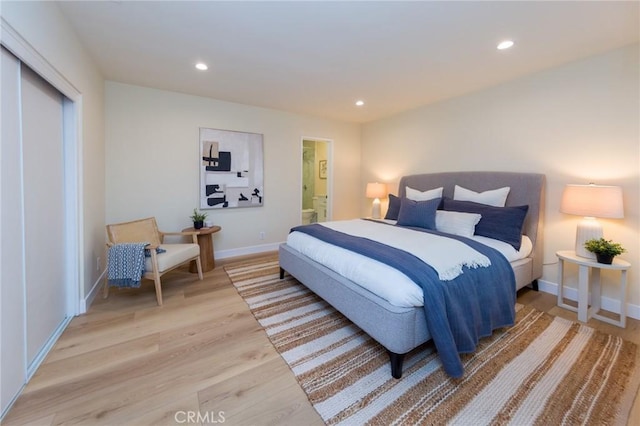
[(152, 159), (577, 123), (42, 25)]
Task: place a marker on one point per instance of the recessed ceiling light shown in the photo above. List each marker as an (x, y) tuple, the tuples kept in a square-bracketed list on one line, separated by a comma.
[(201, 66), (359, 103), (505, 44)]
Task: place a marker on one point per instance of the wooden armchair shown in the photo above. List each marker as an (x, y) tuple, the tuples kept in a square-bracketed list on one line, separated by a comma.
[(146, 230)]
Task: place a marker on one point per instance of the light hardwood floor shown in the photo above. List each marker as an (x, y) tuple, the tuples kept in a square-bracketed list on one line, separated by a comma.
[(202, 356)]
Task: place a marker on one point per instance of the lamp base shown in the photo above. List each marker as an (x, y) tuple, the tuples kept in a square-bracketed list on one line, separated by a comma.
[(589, 228), (375, 209)]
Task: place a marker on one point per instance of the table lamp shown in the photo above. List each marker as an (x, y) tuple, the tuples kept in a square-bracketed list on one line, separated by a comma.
[(591, 201), (376, 191)]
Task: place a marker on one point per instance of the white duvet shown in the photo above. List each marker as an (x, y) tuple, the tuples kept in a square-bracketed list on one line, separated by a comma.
[(385, 281)]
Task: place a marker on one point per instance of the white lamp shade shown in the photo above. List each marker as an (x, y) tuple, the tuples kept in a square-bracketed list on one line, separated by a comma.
[(376, 190), (593, 201)]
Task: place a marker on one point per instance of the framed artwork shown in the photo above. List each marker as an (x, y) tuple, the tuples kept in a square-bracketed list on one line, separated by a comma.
[(231, 169), (322, 169)]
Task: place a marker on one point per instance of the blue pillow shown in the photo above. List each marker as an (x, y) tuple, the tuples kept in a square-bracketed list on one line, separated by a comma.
[(394, 208), (500, 223), (147, 252), (421, 214)]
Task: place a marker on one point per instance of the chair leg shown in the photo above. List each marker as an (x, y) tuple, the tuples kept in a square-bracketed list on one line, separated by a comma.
[(158, 284), (199, 266), (156, 277), (105, 288)]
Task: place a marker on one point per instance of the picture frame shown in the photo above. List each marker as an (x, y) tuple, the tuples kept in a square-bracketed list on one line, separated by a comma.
[(231, 169), (322, 169)]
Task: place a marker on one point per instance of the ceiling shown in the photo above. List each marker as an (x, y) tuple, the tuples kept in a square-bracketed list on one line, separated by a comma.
[(318, 58)]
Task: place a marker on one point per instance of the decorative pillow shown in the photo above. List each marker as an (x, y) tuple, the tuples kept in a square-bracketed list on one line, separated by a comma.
[(421, 214), (394, 208), (159, 250), (494, 197), (414, 194), (500, 223), (457, 223)]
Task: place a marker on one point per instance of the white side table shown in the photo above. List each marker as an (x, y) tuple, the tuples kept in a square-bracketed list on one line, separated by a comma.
[(584, 265)]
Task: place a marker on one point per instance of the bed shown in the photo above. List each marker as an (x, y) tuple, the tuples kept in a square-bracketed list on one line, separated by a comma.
[(402, 328)]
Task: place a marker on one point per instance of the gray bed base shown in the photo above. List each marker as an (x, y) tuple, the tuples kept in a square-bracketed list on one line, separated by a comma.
[(400, 329)]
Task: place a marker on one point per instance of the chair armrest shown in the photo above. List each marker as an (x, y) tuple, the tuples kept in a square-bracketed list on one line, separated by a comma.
[(179, 233), (194, 235)]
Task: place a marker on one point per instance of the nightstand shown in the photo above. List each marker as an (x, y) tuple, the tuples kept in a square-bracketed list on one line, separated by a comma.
[(584, 279), (205, 241)]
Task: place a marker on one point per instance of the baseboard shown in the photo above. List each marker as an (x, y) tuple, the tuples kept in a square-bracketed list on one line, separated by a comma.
[(243, 251), (607, 303), (10, 403), (220, 254), (95, 289), (46, 348), (37, 361)]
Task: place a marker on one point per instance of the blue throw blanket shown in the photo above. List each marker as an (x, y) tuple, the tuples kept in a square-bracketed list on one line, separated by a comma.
[(458, 312), (126, 264)]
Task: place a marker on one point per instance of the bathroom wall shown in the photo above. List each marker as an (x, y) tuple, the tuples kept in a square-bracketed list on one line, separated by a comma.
[(313, 153), (321, 155), (308, 173)]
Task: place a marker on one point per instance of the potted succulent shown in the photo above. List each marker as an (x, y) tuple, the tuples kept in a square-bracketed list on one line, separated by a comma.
[(198, 219), (605, 250)]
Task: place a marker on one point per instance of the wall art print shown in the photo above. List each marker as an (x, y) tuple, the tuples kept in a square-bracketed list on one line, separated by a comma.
[(231, 169)]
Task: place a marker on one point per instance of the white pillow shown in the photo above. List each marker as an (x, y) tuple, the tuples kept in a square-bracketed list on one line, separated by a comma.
[(415, 195), (494, 197), (457, 223)]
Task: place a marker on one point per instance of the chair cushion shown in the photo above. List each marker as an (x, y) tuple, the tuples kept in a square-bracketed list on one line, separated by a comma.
[(175, 254)]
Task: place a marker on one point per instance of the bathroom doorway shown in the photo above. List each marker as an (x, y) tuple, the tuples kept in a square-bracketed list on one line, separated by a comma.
[(316, 180)]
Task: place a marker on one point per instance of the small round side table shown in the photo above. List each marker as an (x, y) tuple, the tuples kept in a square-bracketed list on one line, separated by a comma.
[(205, 241), (586, 280)]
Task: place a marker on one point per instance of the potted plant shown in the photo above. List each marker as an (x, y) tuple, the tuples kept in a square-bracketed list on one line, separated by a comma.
[(605, 250), (198, 219)]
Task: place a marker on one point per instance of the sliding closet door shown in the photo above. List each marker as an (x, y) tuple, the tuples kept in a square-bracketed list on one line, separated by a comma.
[(13, 366), (44, 210)]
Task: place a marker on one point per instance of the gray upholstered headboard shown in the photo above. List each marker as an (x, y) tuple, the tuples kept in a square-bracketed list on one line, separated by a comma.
[(526, 188)]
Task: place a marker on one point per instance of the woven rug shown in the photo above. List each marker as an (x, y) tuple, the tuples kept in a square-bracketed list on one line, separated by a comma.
[(544, 370)]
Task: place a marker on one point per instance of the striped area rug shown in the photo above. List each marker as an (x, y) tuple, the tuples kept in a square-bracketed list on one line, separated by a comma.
[(544, 370)]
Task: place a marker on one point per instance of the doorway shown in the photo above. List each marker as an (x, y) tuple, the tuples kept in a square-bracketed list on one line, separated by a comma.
[(316, 180)]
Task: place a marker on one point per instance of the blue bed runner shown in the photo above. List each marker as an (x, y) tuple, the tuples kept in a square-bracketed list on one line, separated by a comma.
[(458, 312)]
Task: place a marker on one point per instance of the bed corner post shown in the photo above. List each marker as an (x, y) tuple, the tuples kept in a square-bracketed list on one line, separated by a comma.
[(534, 285), (396, 364), (281, 273)]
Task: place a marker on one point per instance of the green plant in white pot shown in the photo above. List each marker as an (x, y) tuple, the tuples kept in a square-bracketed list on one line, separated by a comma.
[(198, 218), (605, 250)]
